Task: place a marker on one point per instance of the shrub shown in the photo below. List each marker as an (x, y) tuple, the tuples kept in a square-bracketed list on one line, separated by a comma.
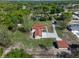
[(1, 51), (18, 53)]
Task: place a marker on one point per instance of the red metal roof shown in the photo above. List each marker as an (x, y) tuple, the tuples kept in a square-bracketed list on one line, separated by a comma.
[(62, 44), (38, 29), (38, 33), (38, 26)]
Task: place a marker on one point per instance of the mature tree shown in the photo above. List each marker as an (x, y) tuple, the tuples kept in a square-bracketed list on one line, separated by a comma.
[(5, 38), (64, 19), (56, 9)]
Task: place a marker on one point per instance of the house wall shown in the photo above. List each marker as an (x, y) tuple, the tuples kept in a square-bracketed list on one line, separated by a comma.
[(63, 48), (37, 37)]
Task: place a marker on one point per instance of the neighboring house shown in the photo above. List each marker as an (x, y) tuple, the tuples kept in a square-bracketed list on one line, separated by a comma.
[(75, 29), (77, 12), (75, 15), (74, 22), (74, 26), (62, 44)]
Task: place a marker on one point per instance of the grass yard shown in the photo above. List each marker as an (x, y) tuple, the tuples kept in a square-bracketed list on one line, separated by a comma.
[(24, 39), (59, 32), (29, 22), (1, 51), (18, 53)]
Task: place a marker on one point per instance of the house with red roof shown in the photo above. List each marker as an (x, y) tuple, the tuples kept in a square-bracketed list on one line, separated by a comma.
[(62, 44), (37, 30)]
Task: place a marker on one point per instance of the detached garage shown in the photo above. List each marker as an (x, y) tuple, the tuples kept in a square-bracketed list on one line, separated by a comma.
[(62, 44)]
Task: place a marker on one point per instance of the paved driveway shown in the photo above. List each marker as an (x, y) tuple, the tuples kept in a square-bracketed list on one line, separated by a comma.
[(48, 35), (56, 35), (51, 35)]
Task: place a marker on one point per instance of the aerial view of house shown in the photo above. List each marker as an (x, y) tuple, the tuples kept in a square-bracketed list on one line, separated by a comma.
[(39, 28)]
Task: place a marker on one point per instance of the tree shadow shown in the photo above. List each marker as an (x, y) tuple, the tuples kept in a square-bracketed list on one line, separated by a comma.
[(74, 46)]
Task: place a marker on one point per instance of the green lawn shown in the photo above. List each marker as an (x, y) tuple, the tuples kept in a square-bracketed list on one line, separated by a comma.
[(25, 39), (31, 23), (59, 32), (1, 51), (18, 53)]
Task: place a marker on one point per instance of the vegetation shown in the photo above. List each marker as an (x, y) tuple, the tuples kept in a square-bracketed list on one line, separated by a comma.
[(16, 24), (18, 53), (1, 51), (56, 9), (5, 37), (65, 17), (46, 42), (27, 42), (62, 22), (59, 32), (12, 14)]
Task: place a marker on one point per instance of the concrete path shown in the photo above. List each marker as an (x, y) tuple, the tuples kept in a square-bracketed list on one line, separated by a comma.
[(56, 35), (48, 35), (54, 30), (51, 35)]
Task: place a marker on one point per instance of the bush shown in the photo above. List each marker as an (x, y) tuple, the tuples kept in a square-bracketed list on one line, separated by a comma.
[(12, 28), (22, 29), (18, 53), (4, 39), (1, 51), (42, 19)]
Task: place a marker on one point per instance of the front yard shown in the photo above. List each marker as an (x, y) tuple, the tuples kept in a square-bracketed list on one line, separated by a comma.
[(59, 32), (25, 39), (27, 42)]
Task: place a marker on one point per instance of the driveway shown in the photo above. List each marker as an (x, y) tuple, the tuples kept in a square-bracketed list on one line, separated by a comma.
[(48, 35), (54, 30), (55, 33), (51, 35)]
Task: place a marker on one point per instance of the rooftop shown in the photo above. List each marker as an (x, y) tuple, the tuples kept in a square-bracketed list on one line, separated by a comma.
[(38, 29), (38, 26), (62, 44)]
